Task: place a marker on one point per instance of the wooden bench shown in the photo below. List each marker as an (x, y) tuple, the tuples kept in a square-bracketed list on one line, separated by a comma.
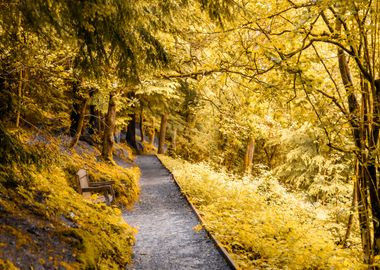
[(86, 188)]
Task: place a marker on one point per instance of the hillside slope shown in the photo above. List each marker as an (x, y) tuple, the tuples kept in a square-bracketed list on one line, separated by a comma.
[(44, 222)]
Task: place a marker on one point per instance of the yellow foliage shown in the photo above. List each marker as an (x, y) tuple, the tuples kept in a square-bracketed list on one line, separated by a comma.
[(259, 230), (98, 235), (104, 237), (126, 179), (198, 228), (7, 265), (149, 148)]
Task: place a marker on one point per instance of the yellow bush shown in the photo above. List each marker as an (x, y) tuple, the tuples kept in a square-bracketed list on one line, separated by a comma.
[(149, 148), (260, 227)]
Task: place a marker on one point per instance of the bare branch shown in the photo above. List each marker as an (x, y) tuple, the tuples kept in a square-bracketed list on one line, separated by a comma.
[(194, 75), (330, 75), (334, 100)]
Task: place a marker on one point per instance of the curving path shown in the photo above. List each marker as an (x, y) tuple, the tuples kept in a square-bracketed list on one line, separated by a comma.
[(166, 239)]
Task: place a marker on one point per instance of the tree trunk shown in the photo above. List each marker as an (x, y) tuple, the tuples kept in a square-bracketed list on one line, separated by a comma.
[(141, 124), (74, 118), (174, 139), (21, 74), (80, 124), (131, 132), (102, 122), (164, 122), (359, 124), (364, 218), (93, 126), (123, 134), (108, 138), (374, 191), (94, 121), (248, 161), (353, 207), (19, 94), (75, 111), (152, 133)]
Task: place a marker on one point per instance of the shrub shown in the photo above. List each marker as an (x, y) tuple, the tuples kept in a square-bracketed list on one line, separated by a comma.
[(259, 223)]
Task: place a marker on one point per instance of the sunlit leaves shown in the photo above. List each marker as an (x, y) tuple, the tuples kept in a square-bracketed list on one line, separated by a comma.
[(259, 222)]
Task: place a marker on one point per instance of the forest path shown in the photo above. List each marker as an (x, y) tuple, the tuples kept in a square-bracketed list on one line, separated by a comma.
[(166, 239)]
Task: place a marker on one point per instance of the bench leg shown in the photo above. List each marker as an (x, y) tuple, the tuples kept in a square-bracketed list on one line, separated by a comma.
[(106, 197)]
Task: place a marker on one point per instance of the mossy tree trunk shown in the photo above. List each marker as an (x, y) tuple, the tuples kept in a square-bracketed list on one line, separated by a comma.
[(164, 123), (108, 137)]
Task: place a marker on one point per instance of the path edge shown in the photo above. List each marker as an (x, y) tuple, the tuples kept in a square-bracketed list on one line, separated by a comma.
[(216, 243)]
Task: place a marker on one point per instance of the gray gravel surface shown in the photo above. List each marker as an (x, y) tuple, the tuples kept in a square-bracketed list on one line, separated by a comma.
[(166, 238)]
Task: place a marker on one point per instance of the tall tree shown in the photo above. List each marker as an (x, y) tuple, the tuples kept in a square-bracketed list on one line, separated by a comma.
[(109, 128), (163, 127)]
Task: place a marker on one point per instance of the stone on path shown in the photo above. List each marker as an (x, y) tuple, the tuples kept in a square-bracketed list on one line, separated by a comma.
[(166, 238)]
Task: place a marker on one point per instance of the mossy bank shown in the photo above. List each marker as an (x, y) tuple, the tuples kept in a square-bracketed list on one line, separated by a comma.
[(45, 223)]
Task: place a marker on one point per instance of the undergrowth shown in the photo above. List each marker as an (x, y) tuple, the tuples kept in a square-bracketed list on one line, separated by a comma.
[(47, 223), (149, 148), (260, 224)]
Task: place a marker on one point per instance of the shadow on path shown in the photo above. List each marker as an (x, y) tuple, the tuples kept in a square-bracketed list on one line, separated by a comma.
[(166, 239)]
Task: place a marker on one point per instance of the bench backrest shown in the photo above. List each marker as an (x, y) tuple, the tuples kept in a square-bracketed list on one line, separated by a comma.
[(83, 182), (82, 179)]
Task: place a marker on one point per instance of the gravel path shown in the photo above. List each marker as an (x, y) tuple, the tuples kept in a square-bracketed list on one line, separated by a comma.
[(166, 239)]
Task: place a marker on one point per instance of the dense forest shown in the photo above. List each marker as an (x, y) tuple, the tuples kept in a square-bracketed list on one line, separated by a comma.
[(267, 112)]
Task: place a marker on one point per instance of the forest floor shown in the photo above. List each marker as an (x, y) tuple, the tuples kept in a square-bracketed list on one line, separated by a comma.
[(167, 238)]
